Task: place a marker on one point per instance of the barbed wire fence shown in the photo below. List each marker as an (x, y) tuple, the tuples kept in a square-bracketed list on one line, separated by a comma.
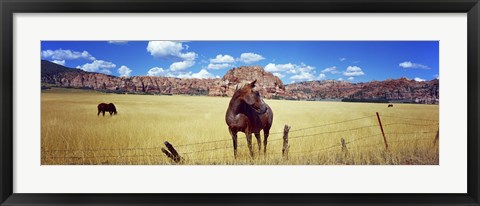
[(210, 146)]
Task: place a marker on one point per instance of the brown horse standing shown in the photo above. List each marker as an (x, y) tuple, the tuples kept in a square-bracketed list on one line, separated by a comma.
[(248, 113), (103, 107)]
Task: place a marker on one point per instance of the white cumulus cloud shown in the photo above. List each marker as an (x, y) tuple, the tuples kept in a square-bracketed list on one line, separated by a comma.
[(303, 76), (342, 59), (351, 78), (332, 70), (62, 54), (249, 57), (302, 68), (221, 62), (289, 68), (157, 71), (279, 75), (104, 71), (411, 65), (219, 66), (60, 62), (178, 66), (271, 67), (222, 59), (418, 79), (301, 72), (170, 50), (321, 76), (124, 71), (353, 71), (202, 74), (98, 66)]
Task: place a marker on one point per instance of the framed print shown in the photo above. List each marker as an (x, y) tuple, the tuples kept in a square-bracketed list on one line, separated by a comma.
[(267, 102)]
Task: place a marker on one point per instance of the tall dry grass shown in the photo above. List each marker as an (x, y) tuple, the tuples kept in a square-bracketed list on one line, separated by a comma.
[(72, 133)]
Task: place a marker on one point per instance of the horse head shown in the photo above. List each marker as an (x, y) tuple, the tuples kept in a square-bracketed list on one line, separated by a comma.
[(112, 108), (252, 97)]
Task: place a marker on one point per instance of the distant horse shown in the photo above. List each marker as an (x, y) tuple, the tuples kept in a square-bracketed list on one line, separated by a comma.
[(248, 113), (103, 107), (390, 105)]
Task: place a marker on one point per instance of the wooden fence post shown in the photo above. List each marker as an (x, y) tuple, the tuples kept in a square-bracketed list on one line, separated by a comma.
[(285, 142), (383, 133), (173, 154), (344, 145), (167, 153)]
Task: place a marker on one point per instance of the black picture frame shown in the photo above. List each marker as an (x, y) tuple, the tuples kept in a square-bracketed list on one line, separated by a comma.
[(10, 7)]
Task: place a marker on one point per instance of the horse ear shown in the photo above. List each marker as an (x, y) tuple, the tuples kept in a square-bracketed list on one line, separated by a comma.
[(253, 83)]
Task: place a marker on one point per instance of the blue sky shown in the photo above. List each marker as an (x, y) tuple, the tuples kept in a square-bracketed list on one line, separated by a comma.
[(292, 61)]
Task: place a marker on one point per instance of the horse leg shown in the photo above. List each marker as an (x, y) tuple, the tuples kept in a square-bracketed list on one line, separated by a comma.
[(110, 113), (249, 141), (98, 112), (259, 141), (265, 137), (103, 113), (234, 138)]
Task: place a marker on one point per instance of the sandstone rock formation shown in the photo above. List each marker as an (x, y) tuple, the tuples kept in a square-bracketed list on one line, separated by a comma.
[(401, 90), (268, 84)]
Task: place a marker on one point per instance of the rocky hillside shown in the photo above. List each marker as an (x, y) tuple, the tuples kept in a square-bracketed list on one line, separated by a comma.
[(396, 90), (61, 76), (269, 85)]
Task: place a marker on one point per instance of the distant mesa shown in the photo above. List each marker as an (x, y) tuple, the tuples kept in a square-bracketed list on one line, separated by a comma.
[(269, 85)]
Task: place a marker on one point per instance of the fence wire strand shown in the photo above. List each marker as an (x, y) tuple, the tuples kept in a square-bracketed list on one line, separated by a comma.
[(196, 143), (409, 118), (338, 145)]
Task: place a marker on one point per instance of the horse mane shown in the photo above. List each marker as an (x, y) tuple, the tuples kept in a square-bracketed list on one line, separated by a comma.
[(241, 85)]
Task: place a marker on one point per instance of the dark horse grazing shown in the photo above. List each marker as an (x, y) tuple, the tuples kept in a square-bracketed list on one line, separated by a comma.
[(103, 107), (390, 105), (248, 113)]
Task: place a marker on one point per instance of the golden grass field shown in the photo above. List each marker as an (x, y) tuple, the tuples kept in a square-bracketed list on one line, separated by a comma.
[(72, 133)]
